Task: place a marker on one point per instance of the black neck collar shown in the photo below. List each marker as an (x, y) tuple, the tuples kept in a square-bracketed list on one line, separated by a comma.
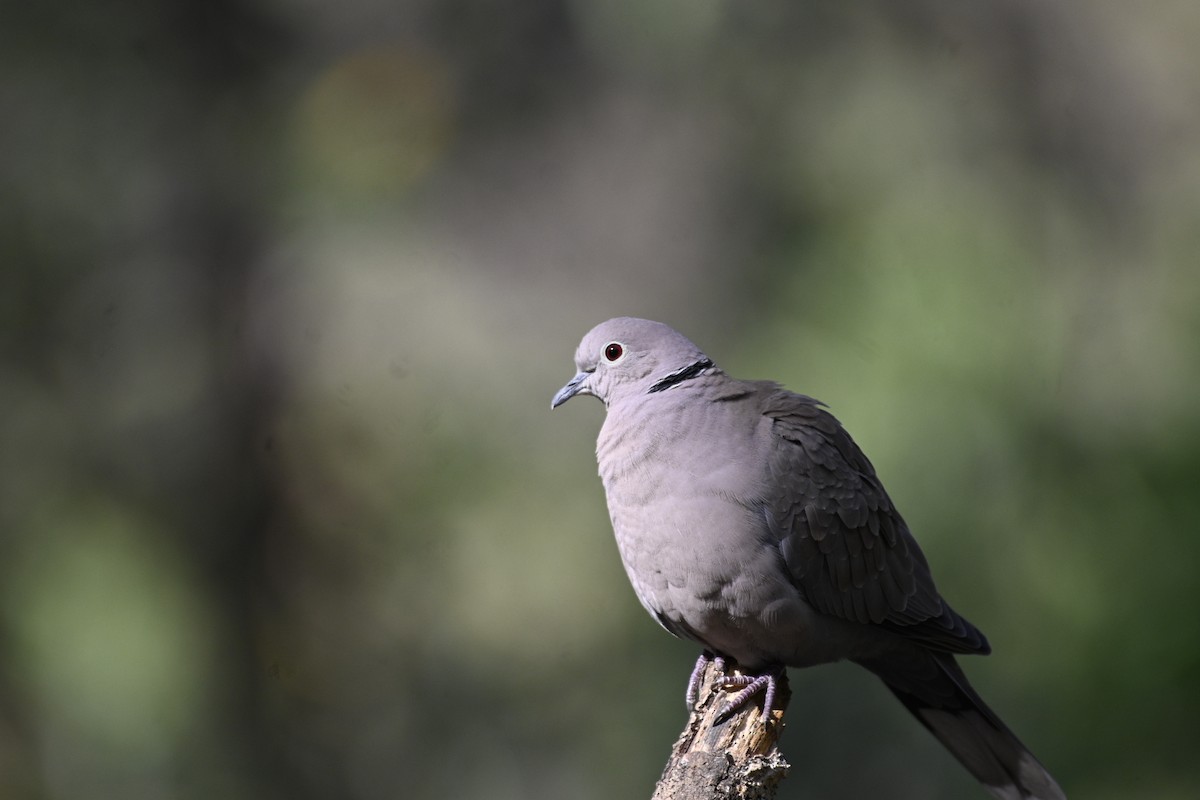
[(679, 376)]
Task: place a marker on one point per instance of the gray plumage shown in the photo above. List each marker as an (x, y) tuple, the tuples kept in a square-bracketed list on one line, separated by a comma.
[(750, 522)]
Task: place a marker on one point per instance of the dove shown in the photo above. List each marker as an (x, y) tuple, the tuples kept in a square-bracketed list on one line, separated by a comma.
[(749, 522)]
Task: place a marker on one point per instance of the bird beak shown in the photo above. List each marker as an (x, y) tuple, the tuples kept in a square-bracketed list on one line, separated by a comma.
[(573, 387)]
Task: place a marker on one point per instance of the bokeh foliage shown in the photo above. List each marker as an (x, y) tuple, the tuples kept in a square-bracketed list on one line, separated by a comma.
[(287, 287)]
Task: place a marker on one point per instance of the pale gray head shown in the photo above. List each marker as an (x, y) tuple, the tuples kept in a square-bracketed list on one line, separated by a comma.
[(627, 356)]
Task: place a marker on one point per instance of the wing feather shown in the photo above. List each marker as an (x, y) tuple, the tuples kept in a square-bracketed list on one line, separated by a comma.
[(845, 545)]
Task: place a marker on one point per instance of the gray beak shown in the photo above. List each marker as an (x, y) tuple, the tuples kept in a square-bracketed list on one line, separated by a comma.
[(573, 387)]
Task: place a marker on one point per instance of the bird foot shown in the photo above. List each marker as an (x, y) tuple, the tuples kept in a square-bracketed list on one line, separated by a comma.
[(748, 686)]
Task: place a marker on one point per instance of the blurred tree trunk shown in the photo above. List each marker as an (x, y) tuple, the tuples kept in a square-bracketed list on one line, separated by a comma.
[(738, 758)]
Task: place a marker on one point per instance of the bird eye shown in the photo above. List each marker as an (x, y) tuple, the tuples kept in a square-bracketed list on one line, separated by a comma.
[(613, 351)]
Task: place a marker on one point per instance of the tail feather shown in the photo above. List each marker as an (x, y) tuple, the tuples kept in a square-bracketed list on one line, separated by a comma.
[(933, 687)]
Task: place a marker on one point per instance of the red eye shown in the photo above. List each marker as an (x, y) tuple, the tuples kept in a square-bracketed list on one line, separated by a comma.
[(613, 351)]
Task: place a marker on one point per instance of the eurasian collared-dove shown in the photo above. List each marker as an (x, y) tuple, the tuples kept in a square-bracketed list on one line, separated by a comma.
[(750, 522)]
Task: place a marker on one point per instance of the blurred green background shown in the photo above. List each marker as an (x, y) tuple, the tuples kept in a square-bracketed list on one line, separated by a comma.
[(287, 288)]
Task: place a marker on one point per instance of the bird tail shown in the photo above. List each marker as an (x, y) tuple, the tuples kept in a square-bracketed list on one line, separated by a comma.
[(933, 687)]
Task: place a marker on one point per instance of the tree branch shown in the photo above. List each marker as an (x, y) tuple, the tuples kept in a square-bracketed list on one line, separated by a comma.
[(738, 758)]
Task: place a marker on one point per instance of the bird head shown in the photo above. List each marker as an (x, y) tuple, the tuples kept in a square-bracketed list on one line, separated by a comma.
[(626, 356)]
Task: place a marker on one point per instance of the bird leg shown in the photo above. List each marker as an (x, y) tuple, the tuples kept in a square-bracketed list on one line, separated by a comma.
[(693, 686)]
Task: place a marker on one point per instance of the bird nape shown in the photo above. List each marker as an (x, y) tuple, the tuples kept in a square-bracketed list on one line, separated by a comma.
[(751, 523)]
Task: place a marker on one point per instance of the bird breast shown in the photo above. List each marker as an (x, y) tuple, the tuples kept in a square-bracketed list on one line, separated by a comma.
[(675, 503)]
